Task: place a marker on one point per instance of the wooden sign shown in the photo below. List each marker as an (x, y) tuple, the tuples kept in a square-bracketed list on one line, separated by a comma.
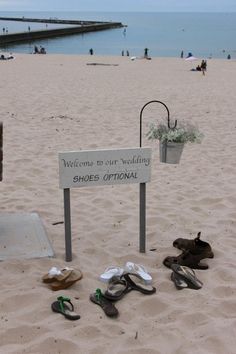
[(102, 167)]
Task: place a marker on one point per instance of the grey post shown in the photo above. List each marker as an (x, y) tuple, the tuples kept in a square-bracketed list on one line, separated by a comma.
[(142, 217), (67, 219)]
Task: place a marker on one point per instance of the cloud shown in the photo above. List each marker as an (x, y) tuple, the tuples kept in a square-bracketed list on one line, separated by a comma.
[(115, 5), (14, 4)]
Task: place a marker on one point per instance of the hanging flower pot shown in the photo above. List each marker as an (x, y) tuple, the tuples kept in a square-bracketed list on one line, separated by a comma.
[(171, 138), (170, 152)]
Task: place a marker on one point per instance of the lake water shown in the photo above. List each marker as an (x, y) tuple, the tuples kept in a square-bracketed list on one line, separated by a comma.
[(164, 34)]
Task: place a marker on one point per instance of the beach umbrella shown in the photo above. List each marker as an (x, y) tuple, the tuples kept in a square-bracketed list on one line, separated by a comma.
[(192, 58)]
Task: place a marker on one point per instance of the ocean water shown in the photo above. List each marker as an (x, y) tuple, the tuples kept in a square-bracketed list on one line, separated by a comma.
[(164, 34)]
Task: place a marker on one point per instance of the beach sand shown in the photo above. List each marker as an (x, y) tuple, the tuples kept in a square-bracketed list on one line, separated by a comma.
[(55, 103)]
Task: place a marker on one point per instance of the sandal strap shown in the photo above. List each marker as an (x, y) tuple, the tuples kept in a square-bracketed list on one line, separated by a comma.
[(98, 294), (61, 300)]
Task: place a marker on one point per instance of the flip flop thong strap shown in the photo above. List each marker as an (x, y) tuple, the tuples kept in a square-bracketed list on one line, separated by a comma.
[(61, 300), (98, 294)]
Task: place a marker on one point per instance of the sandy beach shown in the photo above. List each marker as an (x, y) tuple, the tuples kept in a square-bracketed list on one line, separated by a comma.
[(55, 103)]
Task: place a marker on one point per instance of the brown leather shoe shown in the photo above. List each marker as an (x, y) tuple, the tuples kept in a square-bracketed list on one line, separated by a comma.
[(186, 259), (195, 246)]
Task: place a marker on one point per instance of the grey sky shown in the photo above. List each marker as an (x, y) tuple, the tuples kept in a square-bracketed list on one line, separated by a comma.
[(120, 5)]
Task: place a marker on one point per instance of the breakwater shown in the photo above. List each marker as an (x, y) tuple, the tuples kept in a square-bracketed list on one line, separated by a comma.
[(50, 20), (80, 27)]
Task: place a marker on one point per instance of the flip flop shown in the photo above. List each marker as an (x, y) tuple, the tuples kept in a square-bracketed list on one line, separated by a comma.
[(117, 288), (135, 282), (60, 307), (195, 246), (107, 306), (69, 281), (186, 259), (56, 274), (178, 281), (133, 268), (188, 275), (110, 272)]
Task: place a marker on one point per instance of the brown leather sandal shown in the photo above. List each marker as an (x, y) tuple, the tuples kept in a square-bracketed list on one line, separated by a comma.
[(186, 259), (195, 246), (74, 276), (107, 305)]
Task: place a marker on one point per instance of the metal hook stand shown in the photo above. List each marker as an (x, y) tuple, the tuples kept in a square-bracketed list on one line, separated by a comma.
[(142, 186), (168, 118)]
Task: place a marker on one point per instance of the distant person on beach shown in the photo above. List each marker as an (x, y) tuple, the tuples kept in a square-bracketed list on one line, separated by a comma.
[(203, 66), (127, 53), (10, 56), (189, 55), (29, 28), (146, 52), (122, 53), (36, 50), (91, 51), (146, 56), (229, 56), (42, 50), (182, 54)]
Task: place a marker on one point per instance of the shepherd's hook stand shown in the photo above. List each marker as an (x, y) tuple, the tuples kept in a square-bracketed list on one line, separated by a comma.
[(142, 186), (168, 118)]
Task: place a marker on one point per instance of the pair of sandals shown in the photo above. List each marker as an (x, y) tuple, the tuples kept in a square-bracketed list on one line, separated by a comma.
[(129, 267), (59, 279), (117, 288), (193, 252)]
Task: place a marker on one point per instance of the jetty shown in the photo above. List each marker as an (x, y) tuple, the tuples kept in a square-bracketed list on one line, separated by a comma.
[(76, 27)]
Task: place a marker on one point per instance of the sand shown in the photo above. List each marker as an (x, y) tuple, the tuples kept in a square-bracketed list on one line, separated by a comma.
[(55, 103)]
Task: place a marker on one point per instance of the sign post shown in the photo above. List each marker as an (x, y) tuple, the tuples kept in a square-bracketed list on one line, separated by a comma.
[(67, 219), (142, 217), (104, 167)]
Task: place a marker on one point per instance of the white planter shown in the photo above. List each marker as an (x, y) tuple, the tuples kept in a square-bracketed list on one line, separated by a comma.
[(170, 152)]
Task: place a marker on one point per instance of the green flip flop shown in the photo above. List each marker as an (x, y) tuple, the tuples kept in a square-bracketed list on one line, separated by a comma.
[(67, 311)]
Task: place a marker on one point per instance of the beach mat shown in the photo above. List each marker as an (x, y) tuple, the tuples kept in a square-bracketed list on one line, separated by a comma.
[(22, 236)]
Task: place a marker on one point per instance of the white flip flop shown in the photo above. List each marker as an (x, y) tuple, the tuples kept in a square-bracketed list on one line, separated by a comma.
[(131, 267), (111, 272)]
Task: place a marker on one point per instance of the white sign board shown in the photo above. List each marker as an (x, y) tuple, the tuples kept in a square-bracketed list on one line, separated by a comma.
[(101, 167)]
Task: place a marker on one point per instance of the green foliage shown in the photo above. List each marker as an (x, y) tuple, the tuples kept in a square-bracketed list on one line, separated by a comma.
[(182, 134)]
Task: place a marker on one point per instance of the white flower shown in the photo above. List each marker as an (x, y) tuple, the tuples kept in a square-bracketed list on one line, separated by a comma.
[(183, 134)]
